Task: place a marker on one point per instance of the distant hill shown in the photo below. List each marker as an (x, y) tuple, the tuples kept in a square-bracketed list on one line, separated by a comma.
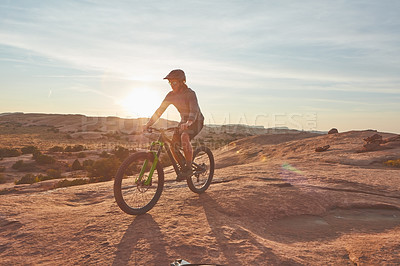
[(79, 123)]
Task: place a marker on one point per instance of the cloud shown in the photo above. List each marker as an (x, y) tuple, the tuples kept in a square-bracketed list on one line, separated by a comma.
[(127, 37), (232, 50)]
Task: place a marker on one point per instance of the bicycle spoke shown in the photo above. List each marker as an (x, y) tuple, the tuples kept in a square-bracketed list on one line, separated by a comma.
[(132, 194), (203, 166)]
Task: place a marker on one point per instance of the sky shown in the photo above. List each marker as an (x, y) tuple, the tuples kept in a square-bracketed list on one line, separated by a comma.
[(308, 65)]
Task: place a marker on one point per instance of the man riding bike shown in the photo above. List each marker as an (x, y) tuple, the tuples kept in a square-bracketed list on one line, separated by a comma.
[(192, 120)]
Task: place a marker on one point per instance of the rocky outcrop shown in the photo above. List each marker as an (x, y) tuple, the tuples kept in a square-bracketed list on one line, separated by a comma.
[(333, 131), (374, 142), (321, 149)]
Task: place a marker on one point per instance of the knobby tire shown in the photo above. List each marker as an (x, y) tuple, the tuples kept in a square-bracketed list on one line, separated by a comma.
[(200, 188), (133, 188)]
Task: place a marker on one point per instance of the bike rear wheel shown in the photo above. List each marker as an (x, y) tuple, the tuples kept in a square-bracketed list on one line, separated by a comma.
[(203, 169), (134, 196)]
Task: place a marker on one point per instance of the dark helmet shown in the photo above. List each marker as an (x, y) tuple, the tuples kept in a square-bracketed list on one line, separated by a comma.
[(177, 74)]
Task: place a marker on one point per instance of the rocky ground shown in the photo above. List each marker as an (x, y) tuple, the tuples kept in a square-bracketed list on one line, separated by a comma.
[(274, 201)]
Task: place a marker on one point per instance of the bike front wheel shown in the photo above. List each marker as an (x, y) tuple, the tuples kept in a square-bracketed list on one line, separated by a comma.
[(136, 195), (203, 170)]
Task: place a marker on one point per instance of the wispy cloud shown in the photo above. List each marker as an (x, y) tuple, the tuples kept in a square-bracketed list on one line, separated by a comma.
[(240, 47), (127, 38)]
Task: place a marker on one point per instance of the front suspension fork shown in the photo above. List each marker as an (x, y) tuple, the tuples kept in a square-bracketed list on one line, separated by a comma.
[(156, 155)]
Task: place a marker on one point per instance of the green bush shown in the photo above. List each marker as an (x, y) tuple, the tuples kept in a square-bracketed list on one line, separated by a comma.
[(41, 177), (76, 165), (56, 149), (18, 165), (104, 169), (75, 148), (2, 168), (29, 149), (53, 173), (23, 167), (7, 152), (45, 159), (27, 179), (87, 164), (36, 154), (31, 178), (68, 183), (82, 155), (104, 154), (393, 163), (121, 153)]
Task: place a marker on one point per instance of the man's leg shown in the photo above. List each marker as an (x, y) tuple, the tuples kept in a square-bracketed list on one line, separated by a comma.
[(187, 148), (175, 146), (188, 156)]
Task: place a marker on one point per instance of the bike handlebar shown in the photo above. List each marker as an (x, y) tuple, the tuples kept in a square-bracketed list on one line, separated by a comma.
[(151, 129)]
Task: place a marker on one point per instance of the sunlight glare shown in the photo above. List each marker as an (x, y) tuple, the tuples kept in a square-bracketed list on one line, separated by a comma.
[(141, 102)]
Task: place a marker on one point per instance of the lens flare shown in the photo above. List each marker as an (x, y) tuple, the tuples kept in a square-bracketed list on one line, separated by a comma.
[(141, 102)]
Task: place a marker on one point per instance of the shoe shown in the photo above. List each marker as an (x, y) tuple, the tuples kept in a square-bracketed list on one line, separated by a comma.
[(185, 173)]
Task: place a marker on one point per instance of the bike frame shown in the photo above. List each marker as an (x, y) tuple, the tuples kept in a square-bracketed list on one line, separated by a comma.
[(163, 141)]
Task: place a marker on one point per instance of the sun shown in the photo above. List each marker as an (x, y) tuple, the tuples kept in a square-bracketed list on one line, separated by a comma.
[(141, 102)]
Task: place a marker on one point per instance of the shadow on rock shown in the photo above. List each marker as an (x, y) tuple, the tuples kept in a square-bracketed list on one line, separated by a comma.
[(333, 224), (236, 243), (142, 241)]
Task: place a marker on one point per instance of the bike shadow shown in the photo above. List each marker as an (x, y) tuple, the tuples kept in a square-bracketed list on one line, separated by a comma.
[(142, 240), (233, 239)]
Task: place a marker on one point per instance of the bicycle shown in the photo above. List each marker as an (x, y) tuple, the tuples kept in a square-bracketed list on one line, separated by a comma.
[(139, 180)]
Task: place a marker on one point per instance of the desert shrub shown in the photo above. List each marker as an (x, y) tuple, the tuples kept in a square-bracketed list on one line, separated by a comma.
[(76, 165), (41, 177), (81, 155), (121, 153), (45, 159), (36, 154), (56, 149), (104, 154), (69, 183), (104, 169), (78, 148), (31, 178), (53, 173), (29, 149), (87, 164), (23, 167), (27, 179), (393, 163), (2, 168), (7, 152), (2, 179), (17, 165), (166, 161), (75, 148)]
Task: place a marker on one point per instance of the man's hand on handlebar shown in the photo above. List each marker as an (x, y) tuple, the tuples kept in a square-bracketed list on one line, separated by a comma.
[(186, 125), (145, 128)]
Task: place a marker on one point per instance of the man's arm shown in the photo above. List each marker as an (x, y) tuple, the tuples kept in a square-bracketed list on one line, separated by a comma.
[(158, 113), (194, 109)]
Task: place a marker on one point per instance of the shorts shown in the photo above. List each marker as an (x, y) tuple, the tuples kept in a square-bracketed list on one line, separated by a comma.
[(192, 131)]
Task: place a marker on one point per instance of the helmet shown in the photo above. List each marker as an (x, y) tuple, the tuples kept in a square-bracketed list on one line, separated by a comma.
[(176, 74)]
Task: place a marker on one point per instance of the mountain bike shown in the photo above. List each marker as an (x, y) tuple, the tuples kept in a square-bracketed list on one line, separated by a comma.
[(139, 180)]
